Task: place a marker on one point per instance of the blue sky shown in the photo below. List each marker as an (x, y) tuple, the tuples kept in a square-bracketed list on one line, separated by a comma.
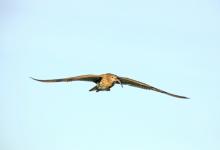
[(172, 45)]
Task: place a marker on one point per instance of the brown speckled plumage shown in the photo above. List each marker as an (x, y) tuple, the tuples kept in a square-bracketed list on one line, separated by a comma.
[(105, 82)]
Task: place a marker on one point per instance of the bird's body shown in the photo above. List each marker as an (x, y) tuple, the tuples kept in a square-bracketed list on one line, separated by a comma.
[(105, 82)]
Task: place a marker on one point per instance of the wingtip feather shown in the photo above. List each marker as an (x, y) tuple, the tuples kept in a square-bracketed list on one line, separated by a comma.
[(36, 79)]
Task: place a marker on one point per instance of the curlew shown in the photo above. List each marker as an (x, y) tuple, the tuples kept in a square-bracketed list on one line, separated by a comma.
[(105, 82)]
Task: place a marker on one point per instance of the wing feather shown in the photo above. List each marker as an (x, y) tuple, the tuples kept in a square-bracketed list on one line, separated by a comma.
[(92, 78), (138, 84)]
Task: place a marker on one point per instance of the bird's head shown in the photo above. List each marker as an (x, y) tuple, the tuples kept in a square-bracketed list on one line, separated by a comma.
[(115, 79)]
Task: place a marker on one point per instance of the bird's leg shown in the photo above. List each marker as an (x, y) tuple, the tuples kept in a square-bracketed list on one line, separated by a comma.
[(95, 88)]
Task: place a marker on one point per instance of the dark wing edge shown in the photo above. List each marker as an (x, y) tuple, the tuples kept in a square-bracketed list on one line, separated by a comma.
[(138, 84), (92, 78)]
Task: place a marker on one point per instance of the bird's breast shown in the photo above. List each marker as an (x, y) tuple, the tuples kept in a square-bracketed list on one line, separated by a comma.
[(105, 84)]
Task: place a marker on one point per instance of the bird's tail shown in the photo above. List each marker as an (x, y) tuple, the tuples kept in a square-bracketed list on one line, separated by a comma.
[(94, 89)]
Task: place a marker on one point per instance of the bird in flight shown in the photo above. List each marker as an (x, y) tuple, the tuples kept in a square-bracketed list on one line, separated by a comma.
[(105, 82)]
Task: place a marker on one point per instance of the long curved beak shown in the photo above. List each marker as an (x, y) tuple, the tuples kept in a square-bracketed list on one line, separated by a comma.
[(120, 83)]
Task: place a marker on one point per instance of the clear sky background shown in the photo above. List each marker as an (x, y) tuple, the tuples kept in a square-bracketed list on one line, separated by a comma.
[(173, 45)]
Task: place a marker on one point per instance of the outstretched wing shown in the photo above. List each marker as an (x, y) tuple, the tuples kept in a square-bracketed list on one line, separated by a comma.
[(138, 84), (92, 78)]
